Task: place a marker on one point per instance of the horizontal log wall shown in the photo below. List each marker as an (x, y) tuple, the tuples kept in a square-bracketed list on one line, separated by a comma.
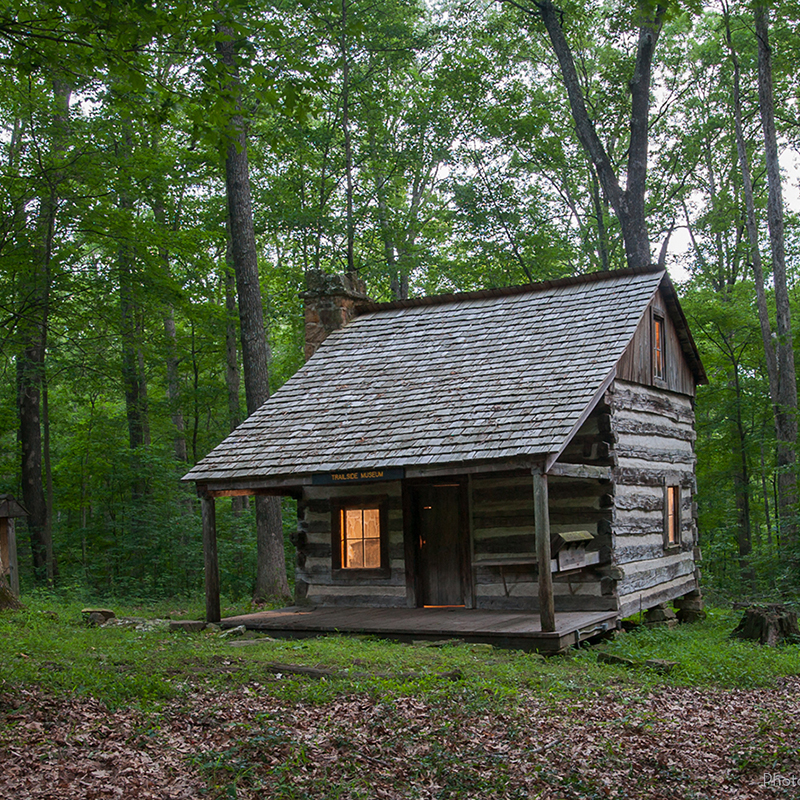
[(594, 442), (655, 448), (315, 583), (503, 530)]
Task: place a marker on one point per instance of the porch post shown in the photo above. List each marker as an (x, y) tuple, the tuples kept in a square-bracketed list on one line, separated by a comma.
[(541, 515), (12, 557), (210, 553)]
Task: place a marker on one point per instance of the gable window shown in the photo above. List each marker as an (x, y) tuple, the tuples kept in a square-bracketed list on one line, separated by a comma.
[(659, 360), (672, 516), (360, 535)]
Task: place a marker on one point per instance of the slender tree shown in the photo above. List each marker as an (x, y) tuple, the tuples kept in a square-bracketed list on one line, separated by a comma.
[(786, 390), (33, 334), (271, 578), (778, 350)]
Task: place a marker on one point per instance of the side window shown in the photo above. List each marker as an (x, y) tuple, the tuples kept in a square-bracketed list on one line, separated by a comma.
[(672, 516), (360, 535), (659, 354)]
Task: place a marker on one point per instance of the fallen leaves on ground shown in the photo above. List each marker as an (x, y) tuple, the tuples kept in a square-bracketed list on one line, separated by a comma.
[(246, 743)]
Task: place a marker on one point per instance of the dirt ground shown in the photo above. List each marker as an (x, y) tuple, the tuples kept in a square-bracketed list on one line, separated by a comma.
[(672, 744)]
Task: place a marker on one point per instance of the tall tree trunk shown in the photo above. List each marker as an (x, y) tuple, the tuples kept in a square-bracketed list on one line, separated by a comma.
[(52, 565), (741, 481), (628, 203), (271, 572), (599, 212), (765, 493), (777, 350), (751, 223), (786, 401), (232, 381), (348, 148), (135, 400), (131, 332), (31, 359), (30, 362), (384, 222), (171, 341)]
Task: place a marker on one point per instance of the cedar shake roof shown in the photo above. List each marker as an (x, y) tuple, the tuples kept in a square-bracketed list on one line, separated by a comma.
[(488, 375)]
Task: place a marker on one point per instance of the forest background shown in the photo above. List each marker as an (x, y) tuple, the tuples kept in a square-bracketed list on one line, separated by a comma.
[(429, 147)]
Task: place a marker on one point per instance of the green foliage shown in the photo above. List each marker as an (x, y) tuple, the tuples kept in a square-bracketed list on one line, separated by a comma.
[(466, 173)]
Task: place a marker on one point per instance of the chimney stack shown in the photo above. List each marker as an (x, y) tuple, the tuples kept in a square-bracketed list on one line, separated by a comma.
[(330, 303)]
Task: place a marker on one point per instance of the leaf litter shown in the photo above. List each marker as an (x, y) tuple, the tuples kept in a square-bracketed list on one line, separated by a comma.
[(673, 742)]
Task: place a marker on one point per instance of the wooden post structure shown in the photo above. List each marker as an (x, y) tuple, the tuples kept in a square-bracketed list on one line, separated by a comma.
[(210, 553), (541, 515), (9, 565), (12, 557)]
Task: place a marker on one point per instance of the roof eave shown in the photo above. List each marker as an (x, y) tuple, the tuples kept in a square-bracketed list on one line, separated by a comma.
[(507, 291), (291, 483), (682, 328)]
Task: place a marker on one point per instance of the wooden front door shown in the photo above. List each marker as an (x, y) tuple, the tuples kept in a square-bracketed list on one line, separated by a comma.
[(441, 543)]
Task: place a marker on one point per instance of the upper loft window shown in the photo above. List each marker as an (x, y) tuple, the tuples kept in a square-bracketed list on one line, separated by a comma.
[(659, 355), (359, 540)]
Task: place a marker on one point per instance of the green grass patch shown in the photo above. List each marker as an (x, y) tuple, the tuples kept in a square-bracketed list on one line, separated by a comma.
[(49, 645), (705, 654)]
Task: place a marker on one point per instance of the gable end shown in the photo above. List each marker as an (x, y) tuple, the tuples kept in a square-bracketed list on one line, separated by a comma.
[(657, 334)]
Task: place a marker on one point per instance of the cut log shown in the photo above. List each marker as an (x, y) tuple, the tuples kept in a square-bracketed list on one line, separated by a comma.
[(324, 672), (770, 625)]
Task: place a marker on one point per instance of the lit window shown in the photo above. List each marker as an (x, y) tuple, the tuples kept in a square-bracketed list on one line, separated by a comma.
[(658, 349), (359, 540), (672, 521)]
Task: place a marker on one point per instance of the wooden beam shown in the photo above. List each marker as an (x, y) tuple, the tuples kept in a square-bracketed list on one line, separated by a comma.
[(541, 514), (12, 557), (470, 468), (265, 486), (275, 492), (210, 553), (581, 471)]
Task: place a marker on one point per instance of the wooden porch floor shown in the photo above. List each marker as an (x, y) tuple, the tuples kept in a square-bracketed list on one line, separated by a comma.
[(517, 630)]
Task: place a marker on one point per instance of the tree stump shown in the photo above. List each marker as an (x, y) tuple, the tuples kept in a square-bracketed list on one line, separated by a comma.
[(7, 597), (770, 625)]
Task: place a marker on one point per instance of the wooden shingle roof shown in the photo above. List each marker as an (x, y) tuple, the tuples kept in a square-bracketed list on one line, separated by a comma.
[(492, 375)]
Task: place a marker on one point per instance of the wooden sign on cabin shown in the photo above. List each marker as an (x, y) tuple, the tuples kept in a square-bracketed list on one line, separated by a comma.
[(497, 419)]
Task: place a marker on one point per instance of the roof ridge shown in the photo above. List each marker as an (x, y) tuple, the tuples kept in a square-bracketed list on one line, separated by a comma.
[(368, 306)]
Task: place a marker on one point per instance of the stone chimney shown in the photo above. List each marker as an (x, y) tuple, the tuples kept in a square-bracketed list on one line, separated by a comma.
[(330, 303)]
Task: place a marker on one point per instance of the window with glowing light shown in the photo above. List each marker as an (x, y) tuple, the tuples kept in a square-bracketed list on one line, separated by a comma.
[(359, 535), (659, 356), (672, 516)]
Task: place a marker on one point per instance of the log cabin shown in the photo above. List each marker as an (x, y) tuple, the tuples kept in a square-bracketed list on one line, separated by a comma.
[(521, 456)]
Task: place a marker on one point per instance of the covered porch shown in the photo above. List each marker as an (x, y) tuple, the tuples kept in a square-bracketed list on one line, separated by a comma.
[(525, 622), (515, 630)]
